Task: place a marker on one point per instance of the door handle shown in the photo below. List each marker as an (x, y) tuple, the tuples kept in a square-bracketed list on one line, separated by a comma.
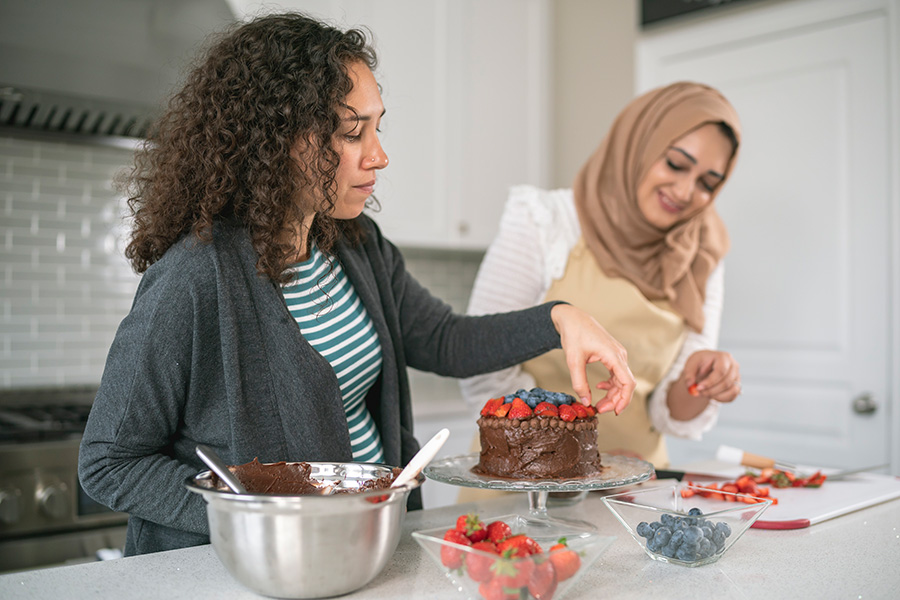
[(863, 404)]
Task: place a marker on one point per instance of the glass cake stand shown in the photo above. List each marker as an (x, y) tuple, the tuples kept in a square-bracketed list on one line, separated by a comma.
[(617, 471)]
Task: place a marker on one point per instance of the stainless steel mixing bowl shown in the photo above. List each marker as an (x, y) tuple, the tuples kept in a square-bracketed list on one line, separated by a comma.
[(290, 546)]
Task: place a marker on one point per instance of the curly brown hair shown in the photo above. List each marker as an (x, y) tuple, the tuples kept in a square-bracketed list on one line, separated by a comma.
[(222, 149)]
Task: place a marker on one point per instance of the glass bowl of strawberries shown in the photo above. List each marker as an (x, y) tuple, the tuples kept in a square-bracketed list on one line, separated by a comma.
[(684, 525), (512, 557)]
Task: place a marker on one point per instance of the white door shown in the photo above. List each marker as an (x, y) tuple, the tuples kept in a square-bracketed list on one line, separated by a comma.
[(807, 301)]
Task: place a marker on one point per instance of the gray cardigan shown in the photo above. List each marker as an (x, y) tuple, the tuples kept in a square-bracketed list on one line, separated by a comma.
[(209, 354)]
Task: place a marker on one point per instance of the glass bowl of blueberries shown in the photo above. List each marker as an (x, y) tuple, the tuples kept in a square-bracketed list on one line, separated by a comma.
[(674, 524)]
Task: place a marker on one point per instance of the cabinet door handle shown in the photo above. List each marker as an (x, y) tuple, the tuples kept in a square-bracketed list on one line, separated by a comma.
[(863, 404)]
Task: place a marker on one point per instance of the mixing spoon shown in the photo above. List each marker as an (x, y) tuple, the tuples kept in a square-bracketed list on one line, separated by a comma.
[(421, 459), (218, 467)]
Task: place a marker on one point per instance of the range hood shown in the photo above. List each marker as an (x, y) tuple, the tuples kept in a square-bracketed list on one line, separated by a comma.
[(97, 67)]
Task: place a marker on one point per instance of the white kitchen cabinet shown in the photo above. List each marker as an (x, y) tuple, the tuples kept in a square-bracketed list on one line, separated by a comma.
[(466, 86)]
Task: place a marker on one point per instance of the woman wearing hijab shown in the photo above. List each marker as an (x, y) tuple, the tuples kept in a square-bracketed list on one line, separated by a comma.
[(638, 244)]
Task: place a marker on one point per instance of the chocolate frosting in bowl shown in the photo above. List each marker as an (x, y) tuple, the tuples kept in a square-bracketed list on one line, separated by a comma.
[(294, 479)]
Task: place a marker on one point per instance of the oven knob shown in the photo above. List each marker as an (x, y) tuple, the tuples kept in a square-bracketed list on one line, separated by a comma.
[(9, 506), (54, 501)]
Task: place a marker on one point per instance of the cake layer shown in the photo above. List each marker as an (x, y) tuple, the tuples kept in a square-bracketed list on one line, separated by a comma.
[(541, 447)]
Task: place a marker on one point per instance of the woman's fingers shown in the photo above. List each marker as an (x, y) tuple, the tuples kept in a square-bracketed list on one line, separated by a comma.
[(585, 341), (722, 380)]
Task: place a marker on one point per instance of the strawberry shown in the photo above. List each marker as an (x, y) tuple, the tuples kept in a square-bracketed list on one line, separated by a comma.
[(493, 590), (521, 545), (519, 410), (490, 406), (545, 408), (498, 531), (478, 566), (580, 410), (472, 527), (567, 413), (591, 411), (543, 580), (512, 572), (694, 389), (452, 557), (502, 410), (565, 560)]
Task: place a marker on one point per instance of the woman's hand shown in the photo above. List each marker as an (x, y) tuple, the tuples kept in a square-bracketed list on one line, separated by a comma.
[(713, 375), (585, 341)]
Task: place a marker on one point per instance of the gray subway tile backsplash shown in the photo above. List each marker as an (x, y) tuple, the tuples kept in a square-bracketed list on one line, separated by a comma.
[(66, 284)]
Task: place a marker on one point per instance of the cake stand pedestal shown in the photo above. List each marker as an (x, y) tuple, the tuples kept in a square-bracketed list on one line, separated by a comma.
[(618, 471)]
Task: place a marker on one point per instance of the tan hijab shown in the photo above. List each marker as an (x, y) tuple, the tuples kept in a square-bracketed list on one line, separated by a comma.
[(671, 264)]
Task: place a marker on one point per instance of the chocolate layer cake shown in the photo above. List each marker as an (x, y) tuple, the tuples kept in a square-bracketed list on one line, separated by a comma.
[(549, 441)]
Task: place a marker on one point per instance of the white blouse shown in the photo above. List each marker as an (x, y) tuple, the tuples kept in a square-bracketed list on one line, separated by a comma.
[(538, 229)]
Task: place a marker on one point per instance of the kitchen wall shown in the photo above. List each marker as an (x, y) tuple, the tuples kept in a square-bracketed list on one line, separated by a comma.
[(65, 282)]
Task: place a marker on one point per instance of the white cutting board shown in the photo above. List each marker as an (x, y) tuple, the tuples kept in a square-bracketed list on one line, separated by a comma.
[(801, 507)]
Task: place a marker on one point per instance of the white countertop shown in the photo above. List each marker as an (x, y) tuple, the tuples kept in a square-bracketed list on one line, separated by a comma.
[(852, 556)]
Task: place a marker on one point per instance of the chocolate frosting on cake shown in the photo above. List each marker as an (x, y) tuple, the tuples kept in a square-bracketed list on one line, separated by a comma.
[(541, 447)]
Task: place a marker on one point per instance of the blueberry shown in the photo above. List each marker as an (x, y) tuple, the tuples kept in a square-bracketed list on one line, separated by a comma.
[(707, 532), (724, 527), (677, 537), (667, 520), (693, 534), (695, 511), (644, 529), (706, 548), (508, 398), (718, 539), (652, 544), (655, 525), (663, 535), (686, 553)]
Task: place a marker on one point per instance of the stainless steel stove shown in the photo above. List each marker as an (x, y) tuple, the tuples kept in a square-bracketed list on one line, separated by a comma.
[(45, 516)]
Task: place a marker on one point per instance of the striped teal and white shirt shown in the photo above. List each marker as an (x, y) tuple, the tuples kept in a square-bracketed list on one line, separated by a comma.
[(334, 321)]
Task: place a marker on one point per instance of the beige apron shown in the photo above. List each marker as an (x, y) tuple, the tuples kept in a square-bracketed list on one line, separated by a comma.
[(650, 332)]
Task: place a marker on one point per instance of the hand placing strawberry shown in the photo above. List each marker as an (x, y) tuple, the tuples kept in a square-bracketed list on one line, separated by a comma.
[(452, 557), (565, 560)]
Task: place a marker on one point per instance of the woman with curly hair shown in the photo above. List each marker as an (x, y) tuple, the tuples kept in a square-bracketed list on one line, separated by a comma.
[(273, 319)]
